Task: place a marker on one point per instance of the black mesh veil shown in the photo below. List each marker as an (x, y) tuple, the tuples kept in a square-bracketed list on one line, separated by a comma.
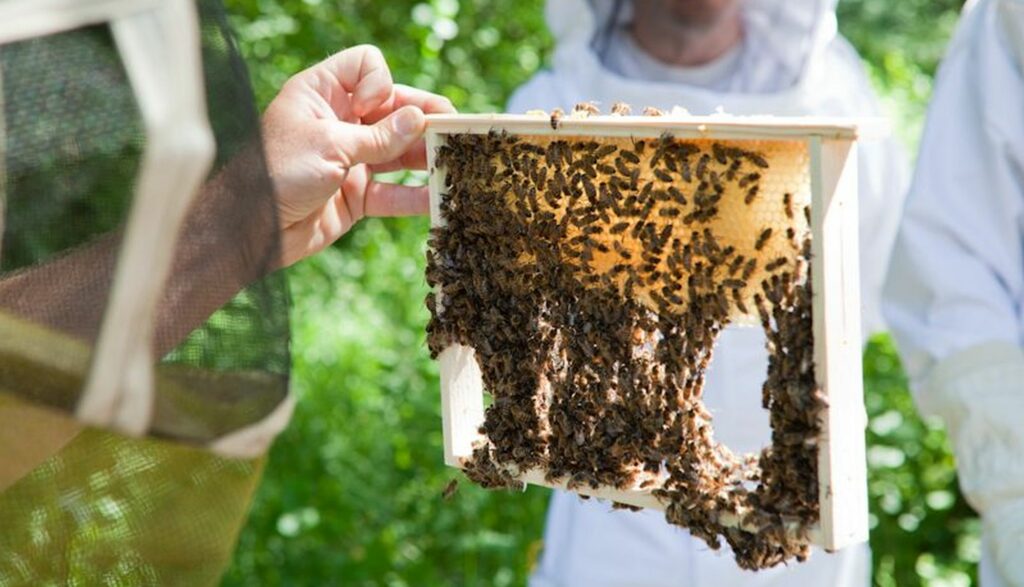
[(81, 505)]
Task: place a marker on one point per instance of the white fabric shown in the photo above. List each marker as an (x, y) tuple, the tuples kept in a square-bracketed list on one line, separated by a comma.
[(957, 276), (255, 439), (626, 58), (956, 284), (623, 56), (586, 544), (979, 392)]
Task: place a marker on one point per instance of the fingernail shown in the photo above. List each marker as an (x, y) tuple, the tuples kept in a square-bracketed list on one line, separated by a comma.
[(407, 122)]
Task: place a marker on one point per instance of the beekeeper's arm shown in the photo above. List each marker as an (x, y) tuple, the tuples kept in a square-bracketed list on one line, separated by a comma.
[(326, 133), (956, 284)]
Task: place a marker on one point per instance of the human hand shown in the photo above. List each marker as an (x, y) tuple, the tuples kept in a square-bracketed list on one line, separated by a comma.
[(327, 132)]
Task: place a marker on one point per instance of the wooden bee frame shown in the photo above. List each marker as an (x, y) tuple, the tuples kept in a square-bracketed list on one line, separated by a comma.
[(831, 145)]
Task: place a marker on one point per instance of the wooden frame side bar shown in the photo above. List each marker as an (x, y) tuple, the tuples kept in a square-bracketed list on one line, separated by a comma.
[(842, 469), (462, 391)]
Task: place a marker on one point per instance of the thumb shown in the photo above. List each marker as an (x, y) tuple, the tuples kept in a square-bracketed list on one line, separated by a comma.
[(384, 141)]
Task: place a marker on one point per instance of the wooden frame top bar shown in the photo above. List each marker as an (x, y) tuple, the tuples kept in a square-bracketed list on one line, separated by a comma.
[(718, 126)]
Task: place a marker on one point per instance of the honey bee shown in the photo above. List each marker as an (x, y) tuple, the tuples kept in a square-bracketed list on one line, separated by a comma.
[(702, 166), (778, 262), (722, 301), (748, 179), (551, 155), (666, 232), (757, 159), (738, 299), (676, 194), (588, 187), (630, 156), (566, 152), (719, 153), (709, 239), (622, 251), (730, 174), (665, 142), (687, 173), (556, 118), (748, 269), (652, 111), (660, 195), (662, 175), (604, 151), (735, 265), (621, 109), (762, 311), (621, 166), (450, 489), (619, 228), (586, 109), (716, 180), (751, 194), (787, 202)]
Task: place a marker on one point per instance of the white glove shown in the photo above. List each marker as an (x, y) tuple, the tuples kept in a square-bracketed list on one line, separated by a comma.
[(979, 393)]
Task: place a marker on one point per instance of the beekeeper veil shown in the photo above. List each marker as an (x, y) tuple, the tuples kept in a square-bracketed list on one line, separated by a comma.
[(784, 44), (143, 337)]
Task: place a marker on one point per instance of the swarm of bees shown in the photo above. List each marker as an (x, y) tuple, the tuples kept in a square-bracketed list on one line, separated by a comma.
[(593, 276)]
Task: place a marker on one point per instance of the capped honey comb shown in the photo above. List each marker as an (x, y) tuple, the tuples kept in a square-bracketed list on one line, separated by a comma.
[(592, 276)]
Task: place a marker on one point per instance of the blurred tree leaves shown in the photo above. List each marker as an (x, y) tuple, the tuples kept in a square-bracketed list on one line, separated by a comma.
[(922, 532), (473, 51), (902, 44), (352, 493)]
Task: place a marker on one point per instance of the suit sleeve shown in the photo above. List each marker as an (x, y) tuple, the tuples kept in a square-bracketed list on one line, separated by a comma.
[(956, 280)]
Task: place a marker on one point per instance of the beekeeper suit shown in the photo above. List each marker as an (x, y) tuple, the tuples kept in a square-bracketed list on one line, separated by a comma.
[(956, 285), (790, 62)]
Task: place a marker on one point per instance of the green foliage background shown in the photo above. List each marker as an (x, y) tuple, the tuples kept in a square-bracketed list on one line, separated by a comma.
[(353, 490)]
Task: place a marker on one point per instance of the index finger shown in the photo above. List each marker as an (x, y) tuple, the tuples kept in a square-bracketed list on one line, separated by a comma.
[(354, 81), (403, 95)]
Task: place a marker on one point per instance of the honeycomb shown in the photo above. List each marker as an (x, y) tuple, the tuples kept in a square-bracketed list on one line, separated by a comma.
[(607, 244), (592, 276)]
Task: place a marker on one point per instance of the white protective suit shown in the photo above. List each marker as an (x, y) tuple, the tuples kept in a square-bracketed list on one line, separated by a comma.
[(588, 544), (956, 285)]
